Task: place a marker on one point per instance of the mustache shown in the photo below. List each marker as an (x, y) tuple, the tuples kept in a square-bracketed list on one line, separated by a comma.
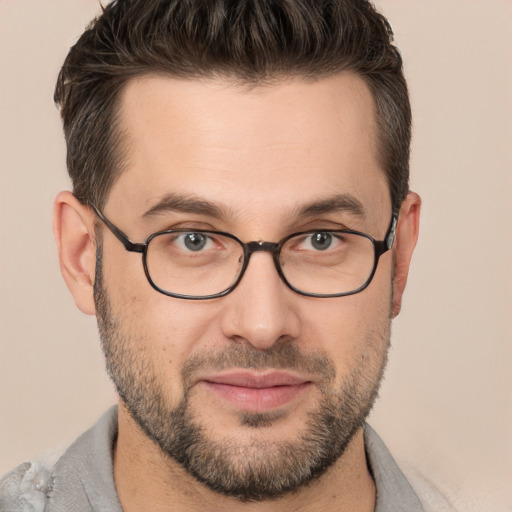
[(280, 356)]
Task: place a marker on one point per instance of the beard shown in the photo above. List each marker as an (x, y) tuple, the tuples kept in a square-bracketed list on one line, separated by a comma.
[(257, 469)]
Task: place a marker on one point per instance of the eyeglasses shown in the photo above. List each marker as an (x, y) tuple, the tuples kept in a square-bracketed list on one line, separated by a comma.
[(202, 264)]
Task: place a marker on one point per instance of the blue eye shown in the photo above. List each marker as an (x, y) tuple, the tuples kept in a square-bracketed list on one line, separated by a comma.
[(193, 241), (321, 241)]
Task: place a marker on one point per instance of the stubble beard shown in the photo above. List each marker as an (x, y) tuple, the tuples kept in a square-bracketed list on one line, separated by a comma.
[(260, 469)]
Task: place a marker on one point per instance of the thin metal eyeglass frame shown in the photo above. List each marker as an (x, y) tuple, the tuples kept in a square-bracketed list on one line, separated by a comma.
[(380, 248)]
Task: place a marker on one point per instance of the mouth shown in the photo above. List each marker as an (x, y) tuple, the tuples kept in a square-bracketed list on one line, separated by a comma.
[(252, 391)]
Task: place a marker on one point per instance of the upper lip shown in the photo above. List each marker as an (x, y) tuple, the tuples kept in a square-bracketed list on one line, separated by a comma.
[(254, 379)]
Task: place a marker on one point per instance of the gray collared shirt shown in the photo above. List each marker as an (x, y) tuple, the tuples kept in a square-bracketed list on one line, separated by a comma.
[(82, 480)]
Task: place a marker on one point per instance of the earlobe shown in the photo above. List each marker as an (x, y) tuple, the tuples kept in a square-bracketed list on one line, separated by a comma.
[(405, 242), (73, 227)]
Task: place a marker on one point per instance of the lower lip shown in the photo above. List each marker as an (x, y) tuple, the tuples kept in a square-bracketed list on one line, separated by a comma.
[(257, 399)]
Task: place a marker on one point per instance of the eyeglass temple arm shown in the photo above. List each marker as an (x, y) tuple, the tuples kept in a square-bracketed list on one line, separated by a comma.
[(391, 234), (128, 244)]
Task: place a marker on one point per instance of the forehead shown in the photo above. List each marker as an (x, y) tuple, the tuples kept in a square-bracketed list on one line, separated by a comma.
[(268, 147)]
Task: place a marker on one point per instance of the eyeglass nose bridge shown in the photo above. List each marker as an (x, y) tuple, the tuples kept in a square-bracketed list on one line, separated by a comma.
[(261, 246)]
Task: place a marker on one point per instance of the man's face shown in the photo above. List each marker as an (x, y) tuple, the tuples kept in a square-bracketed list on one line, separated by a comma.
[(257, 392)]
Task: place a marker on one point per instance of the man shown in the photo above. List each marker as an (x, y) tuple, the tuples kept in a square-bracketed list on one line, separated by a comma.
[(256, 155)]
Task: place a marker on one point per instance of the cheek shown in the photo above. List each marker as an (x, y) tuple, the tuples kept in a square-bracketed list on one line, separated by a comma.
[(166, 329), (350, 330), (164, 325)]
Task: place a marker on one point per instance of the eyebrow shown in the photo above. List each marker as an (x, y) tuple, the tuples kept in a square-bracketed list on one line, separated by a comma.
[(190, 204), (185, 204), (337, 203)]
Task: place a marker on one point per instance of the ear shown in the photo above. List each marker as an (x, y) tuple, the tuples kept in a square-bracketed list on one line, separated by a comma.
[(73, 228), (405, 242)]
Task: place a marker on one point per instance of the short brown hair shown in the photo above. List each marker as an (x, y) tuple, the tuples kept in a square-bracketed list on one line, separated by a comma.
[(251, 41)]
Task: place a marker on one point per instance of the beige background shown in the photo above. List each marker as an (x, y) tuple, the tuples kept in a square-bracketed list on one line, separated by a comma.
[(446, 403)]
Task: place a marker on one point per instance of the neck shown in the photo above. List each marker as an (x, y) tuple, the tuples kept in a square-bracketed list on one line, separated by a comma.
[(147, 480)]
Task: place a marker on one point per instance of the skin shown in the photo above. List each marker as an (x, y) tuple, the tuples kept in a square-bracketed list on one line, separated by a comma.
[(261, 155)]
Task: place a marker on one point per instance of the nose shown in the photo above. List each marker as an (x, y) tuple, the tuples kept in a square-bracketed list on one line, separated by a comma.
[(262, 310)]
